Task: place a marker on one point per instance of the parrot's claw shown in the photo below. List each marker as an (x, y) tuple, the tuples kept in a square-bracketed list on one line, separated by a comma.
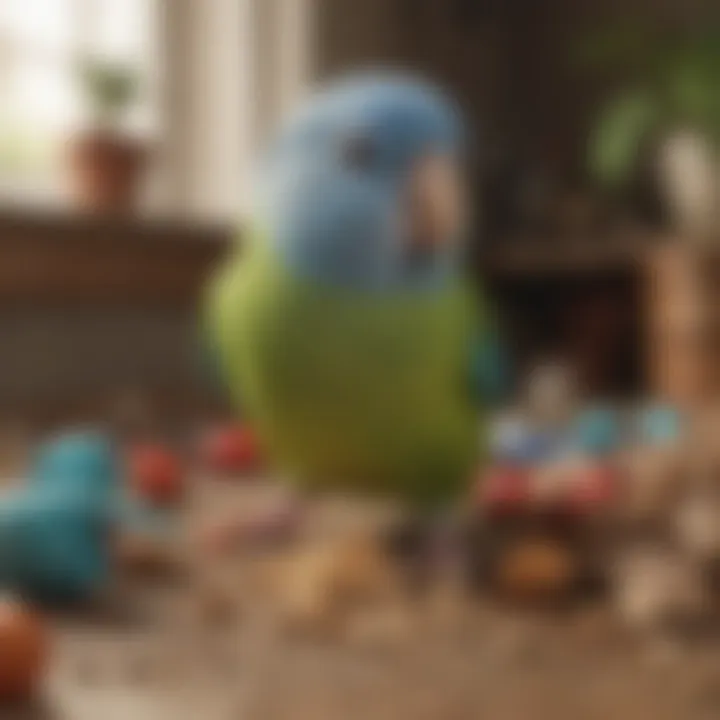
[(430, 553), (408, 544), (324, 585)]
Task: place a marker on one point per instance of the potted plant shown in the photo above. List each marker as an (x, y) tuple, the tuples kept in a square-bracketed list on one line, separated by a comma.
[(107, 162), (670, 106)]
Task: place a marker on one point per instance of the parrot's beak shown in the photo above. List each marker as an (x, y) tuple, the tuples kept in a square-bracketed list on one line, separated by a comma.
[(435, 206)]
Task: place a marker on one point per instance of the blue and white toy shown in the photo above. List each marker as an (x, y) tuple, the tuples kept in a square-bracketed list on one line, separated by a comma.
[(597, 431), (659, 425), (516, 440)]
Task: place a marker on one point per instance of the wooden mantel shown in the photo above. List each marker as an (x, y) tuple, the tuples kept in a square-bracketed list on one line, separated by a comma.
[(534, 257), (61, 258)]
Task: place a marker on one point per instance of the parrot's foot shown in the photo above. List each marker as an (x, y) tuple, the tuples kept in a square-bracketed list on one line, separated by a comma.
[(432, 554), (409, 544), (478, 549), (371, 587), (324, 587), (436, 563)]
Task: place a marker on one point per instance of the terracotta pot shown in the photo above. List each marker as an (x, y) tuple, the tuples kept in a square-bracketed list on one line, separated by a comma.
[(106, 171)]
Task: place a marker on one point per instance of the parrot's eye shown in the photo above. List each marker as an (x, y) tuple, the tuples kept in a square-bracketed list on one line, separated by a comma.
[(358, 153)]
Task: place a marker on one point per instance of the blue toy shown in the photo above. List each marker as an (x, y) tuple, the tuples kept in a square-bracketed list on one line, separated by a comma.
[(597, 431), (55, 532), (517, 441), (659, 425)]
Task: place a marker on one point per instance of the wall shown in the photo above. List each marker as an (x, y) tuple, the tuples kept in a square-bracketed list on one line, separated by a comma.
[(77, 357), (353, 34), (423, 36), (91, 307), (511, 62)]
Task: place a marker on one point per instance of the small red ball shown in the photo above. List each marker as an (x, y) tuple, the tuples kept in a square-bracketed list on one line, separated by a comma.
[(23, 651), (231, 449), (156, 474), (505, 489), (593, 490)]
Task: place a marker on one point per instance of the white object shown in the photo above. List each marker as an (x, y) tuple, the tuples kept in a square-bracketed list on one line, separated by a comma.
[(552, 392), (653, 586), (688, 176), (506, 433), (697, 526)]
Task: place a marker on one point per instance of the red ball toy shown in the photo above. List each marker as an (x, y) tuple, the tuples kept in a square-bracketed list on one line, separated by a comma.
[(156, 474), (23, 651), (505, 489), (231, 449), (594, 490)]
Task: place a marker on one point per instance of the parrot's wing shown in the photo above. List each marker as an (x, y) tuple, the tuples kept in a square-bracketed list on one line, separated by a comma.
[(490, 368), (211, 325), (218, 320), (208, 359)]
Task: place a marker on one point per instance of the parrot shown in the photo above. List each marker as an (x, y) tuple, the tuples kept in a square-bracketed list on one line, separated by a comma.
[(343, 325), (55, 530)]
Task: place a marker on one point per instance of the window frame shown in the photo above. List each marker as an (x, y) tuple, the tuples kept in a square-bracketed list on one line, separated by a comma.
[(21, 180)]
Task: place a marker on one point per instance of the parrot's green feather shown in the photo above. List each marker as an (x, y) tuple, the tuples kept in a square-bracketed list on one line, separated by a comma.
[(350, 389)]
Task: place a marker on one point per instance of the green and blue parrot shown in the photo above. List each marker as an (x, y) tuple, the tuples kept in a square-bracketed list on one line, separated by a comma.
[(343, 325)]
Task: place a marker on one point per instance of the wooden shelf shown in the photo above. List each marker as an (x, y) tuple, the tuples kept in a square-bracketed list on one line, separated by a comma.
[(60, 257), (539, 256)]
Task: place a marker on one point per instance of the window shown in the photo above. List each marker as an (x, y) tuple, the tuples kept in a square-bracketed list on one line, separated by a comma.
[(41, 43)]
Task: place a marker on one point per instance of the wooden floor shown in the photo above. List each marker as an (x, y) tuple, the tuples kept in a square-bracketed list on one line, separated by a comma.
[(501, 668), (144, 654)]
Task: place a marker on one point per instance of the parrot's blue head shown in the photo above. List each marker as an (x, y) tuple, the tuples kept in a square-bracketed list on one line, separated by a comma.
[(363, 187)]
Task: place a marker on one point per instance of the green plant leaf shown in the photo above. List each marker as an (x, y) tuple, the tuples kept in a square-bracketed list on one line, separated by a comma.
[(110, 88), (693, 87), (618, 136)]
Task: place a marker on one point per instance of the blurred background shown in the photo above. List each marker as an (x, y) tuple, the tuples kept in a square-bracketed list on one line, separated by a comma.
[(128, 132)]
